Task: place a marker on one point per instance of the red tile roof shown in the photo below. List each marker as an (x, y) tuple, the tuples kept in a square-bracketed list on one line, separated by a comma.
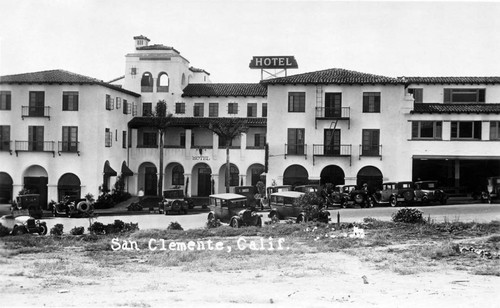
[(190, 122), (334, 76), (198, 70), (452, 80), (225, 89), (141, 37), (157, 47), (58, 77), (456, 108)]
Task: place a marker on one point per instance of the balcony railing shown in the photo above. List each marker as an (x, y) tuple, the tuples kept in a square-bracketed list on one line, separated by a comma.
[(35, 146), (146, 89), (330, 113), (342, 150), (35, 112), (6, 146), (370, 151), (68, 147), (295, 150)]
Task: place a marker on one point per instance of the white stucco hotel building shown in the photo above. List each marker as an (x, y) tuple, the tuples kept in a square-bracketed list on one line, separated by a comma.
[(62, 132)]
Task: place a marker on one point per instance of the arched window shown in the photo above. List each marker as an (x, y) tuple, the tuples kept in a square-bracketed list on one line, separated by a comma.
[(162, 83), (147, 82), (234, 176), (178, 175), (69, 185), (183, 80)]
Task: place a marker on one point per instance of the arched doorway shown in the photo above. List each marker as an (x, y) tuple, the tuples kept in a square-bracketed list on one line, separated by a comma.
[(174, 175), (254, 174), (234, 176), (332, 174), (148, 179), (202, 184), (5, 187), (371, 176), (69, 185), (107, 173), (36, 180), (295, 175)]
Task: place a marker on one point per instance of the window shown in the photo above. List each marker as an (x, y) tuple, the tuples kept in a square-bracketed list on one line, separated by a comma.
[(180, 108), (127, 108), (296, 142), (213, 109), (297, 102), (461, 96), (4, 138), (198, 110), (37, 104), (264, 110), (108, 137), (333, 105), (124, 139), (118, 102), (162, 82), (232, 108), (222, 142), (149, 139), (70, 101), (331, 141), (5, 100), (466, 130), (69, 139), (35, 138), (371, 102), (182, 141), (134, 109), (178, 175), (418, 94), (259, 140), (233, 176), (147, 82), (251, 110), (371, 142), (426, 130), (147, 109), (109, 104), (494, 130)]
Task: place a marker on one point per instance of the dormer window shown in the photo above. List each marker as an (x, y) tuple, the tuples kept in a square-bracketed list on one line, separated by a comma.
[(162, 82)]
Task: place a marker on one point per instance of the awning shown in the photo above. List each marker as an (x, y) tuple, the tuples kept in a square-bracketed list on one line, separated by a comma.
[(108, 171), (126, 170)]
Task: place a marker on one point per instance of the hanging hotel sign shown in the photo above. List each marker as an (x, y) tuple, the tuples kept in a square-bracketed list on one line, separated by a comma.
[(268, 62)]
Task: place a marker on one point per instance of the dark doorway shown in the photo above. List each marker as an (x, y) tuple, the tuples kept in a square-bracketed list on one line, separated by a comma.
[(150, 181), (69, 185), (5, 187), (332, 174), (38, 185), (204, 184), (371, 176), (295, 175)]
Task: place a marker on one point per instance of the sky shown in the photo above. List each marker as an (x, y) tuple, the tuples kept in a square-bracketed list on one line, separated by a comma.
[(391, 38)]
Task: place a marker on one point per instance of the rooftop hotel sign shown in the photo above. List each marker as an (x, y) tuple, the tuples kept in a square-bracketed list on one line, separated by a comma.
[(267, 62)]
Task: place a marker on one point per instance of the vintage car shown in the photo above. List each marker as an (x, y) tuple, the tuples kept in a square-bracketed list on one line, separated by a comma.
[(427, 192), (274, 189), (71, 207), (306, 188), (353, 195), (173, 201), (395, 193), (232, 208), (23, 224), (286, 205), (493, 190), (249, 192), (29, 202)]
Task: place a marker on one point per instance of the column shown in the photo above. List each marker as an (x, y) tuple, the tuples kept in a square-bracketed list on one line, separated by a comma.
[(457, 173), (242, 180), (52, 192), (188, 143), (187, 184), (215, 146), (215, 177), (243, 145)]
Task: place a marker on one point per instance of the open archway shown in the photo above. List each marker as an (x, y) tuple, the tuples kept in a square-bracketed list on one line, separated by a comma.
[(332, 174), (6, 187), (295, 175), (371, 176), (69, 185)]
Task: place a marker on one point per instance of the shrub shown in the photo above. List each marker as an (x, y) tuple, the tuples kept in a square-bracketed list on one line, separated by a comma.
[(4, 230), (97, 228), (57, 230), (77, 231), (104, 201), (130, 227), (174, 225), (134, 206), (312, 204), (408, 215), (213, 223)]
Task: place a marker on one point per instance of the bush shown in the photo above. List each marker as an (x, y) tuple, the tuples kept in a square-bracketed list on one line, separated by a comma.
[(4, 230), (213, 223), (174, 225), (408, 215), (104, 201), (77, 231), (312, 204), (57, 230), (97, 228), (117, 227), (134, 206)]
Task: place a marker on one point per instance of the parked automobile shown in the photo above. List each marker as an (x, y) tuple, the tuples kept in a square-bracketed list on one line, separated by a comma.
[(173, 201), (428, 192), (71, 207), (233, 209), (29, 202), (249, 192), (287, 205), (353, 195), (306, 188), (23, 224), (395, 193), (274, 189), (493, 190)]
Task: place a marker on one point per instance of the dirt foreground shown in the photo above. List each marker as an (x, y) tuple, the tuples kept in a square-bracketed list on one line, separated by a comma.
[(332, 279)]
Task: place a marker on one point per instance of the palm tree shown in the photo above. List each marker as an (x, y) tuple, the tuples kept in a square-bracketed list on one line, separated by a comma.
[(227, 129), (160, 120)]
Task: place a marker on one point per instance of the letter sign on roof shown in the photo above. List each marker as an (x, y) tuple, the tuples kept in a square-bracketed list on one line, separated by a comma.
[(263, 62)]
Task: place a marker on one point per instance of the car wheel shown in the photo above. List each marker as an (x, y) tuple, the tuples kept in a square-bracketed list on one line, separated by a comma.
[(235, 223), (210, 216), (300, 219), (258, 223), (393, 202), (43, 229)]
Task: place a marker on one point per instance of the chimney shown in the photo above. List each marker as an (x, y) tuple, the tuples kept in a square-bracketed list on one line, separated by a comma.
[(141, 41)]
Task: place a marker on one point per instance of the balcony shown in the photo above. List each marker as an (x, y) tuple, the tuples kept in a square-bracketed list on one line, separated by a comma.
[(370, 151), (35, 146), (343, 150), (295, 150), (6, 146), (146, 89), (35, 112), (330, 113), (68, 147)]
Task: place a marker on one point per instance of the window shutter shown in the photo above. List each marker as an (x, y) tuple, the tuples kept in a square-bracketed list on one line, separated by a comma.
[(65, 102), (8, 97), (365, 103), (414, 130), (482, 96), (477, 129), (439, 130), (447, 96), (377, 102)]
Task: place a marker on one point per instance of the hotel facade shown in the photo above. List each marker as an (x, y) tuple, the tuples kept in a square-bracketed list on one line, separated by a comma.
[(63, 133)]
